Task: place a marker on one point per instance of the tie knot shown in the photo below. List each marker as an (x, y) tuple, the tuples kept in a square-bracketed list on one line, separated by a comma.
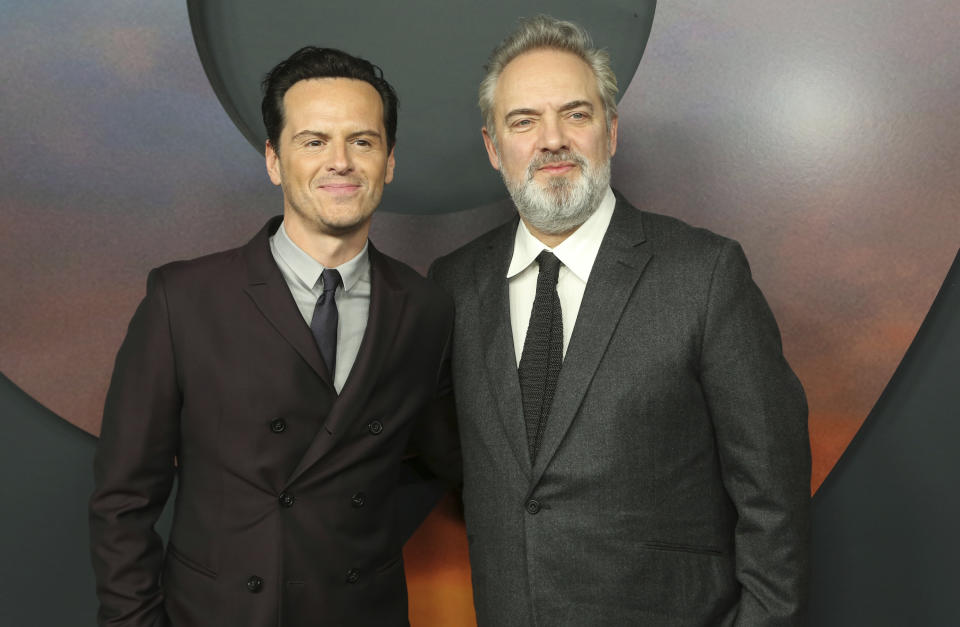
[(549, 265), (331, 279)]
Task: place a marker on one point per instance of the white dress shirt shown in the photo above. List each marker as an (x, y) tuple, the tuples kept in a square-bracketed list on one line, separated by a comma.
[(577, 254), (303, 276)]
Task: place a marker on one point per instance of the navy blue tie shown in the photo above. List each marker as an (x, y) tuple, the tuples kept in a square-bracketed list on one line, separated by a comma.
[(325, 319), (542, 354)]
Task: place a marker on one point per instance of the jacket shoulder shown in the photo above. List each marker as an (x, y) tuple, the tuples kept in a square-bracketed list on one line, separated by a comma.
[(422, 289), (666, 232), (685, 248), (448, 269), (684, 254), (201, 273)]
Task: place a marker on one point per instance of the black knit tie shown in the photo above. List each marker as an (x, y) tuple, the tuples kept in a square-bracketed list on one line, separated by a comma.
[(542, 352)]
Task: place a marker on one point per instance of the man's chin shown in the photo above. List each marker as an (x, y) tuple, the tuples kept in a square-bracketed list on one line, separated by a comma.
[(341, 228), (337, 225), (552, 214), (563, 225)]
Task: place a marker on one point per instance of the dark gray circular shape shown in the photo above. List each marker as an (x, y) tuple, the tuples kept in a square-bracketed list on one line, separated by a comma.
[(431, 52)]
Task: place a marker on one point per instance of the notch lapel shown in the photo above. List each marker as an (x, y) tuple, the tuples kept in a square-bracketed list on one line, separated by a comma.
[(622, 257), (269, 292), (496, 339), (387, 304)]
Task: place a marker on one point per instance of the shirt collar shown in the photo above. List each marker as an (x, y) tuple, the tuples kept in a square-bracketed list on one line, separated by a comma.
[(308, 269), (577, 252)]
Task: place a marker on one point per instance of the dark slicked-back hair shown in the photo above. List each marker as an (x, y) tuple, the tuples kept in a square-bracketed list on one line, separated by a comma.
[(312, 62)]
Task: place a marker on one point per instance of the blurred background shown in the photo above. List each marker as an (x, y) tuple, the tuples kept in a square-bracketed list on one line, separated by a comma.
[(824, 136)]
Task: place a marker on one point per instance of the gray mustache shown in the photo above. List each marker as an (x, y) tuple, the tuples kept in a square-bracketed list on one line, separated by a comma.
[(552, 157)]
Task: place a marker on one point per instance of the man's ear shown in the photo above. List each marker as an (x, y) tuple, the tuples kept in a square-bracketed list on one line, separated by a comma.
[(391, 164), (273, 163), (491, 149), (613, 136)]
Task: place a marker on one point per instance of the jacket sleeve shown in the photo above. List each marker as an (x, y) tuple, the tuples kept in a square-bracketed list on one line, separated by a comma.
[(134, 468), (435, 438), (760, 419)]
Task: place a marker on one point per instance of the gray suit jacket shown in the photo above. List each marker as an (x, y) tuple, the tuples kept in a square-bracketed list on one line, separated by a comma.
[(672, 485)]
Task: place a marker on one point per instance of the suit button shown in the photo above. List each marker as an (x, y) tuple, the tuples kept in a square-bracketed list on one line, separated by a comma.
[(358, 499), (533, 506), (254, 584), (278, 425), (287, 500), (375, 427), (353, 575)]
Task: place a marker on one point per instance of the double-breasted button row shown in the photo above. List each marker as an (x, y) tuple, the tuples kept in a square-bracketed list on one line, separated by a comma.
[(287, 500), (255, 583), (375, 427), (278, 425)]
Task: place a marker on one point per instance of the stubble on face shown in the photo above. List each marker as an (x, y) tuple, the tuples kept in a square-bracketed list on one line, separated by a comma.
[(331, 221), (335, 161)]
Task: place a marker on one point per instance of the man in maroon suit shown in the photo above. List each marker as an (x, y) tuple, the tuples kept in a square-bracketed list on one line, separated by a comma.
[(282, 382)]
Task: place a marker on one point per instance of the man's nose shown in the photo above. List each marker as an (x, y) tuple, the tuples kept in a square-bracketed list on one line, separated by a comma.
[(552, 135), (340, 161)]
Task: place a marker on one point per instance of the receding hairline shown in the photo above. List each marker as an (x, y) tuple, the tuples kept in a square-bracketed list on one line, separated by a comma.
[(332, 79), (597, 91), (544, 32), (373, 91)]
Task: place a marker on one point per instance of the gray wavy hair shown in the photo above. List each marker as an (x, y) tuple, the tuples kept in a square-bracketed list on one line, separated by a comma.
[(541, 32)]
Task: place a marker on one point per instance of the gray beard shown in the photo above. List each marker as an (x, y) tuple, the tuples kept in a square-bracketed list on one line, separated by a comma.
[(561, 205)]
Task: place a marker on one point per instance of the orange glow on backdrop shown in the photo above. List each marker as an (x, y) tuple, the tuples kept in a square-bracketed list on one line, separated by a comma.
[(438, 570)]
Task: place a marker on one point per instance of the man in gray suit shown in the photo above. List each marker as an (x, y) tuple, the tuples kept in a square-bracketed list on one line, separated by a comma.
[(635, 445)]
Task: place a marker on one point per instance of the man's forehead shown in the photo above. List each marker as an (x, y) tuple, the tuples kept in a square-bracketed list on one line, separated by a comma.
[(546, 72), (344, 100), (332, 89)]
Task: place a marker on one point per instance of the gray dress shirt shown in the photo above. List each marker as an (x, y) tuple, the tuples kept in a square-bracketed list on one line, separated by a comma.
[(303, 276)]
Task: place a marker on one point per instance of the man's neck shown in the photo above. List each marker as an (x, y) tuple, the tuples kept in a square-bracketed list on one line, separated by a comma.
[(330, 250), (551, 240)]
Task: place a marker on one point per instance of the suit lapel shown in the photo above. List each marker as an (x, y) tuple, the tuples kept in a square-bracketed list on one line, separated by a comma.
[(496, 338), (387, 302), (620, 261), (269, 292)]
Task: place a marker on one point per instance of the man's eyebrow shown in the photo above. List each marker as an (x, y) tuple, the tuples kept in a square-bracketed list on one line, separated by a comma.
[(515, 112), (365, 133), (577, 104), (573, 104), (309, 133), (321, 135)]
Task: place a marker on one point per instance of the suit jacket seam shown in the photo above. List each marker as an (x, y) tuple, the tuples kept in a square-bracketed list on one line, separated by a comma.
[(708, 303), (164, 298)]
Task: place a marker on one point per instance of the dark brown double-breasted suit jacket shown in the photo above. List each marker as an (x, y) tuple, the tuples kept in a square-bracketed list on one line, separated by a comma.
[(286, 510), (672, 484)]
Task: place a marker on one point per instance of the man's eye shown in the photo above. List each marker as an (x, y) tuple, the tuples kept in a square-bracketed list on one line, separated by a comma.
[(314, 143), (523, 123), (362, 142), (578, 115)]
